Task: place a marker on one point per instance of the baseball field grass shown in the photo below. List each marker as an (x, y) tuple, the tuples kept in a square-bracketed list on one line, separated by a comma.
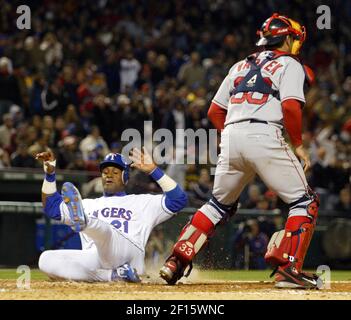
[(200, 285)]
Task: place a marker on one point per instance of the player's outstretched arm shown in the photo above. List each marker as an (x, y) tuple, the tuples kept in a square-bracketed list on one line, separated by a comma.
[(175, 197), (50, 198)]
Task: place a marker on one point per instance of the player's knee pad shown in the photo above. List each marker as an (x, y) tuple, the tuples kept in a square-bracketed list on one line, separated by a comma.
[(281, 251), (309, 203), (226, 211)]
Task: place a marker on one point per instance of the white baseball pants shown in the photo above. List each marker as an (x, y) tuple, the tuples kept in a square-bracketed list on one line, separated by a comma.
[(109, 250)]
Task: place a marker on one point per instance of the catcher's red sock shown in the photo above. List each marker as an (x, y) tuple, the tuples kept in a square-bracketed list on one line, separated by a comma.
[(201, 222)]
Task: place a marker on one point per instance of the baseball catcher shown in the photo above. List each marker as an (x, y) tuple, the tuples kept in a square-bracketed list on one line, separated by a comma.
[(260, 96)]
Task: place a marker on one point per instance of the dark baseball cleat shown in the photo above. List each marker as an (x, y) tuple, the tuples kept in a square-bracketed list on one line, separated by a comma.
[(290, 278), (169, 271), (173, 270), (71, 197)]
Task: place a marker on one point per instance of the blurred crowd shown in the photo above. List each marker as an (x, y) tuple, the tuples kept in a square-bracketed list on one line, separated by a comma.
[(86, 71)]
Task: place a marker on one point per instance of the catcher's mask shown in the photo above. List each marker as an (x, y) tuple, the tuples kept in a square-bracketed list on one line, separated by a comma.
[(277, 27), (118, 161)]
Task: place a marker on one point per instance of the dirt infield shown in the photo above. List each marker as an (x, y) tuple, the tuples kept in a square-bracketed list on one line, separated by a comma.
[(155, 290)]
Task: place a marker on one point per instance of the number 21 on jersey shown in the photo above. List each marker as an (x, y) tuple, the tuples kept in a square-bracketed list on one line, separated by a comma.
[(121, 225)]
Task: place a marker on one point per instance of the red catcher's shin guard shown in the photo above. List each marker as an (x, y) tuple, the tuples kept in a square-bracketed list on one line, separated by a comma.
[(302, 230), (193, 238), (289, 247)]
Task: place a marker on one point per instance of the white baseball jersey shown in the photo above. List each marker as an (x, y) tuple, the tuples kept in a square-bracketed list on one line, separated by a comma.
[(285, 75), (134, 216)]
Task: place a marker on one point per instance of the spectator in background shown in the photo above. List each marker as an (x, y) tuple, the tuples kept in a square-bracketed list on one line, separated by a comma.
[(91, 142), (31, 136), (320, 175), (262, 203), (10, 92), (123, 112), (35, 95), (36, 122), (91, 83), (129, 69), (21, 158), (272, 199), (33, 55), (17, 115), (138, 113), (6, 130), (160, 69), (344, 203), (68, 152), (59, 129), (52, 50), (42, 143), (201, 190), (73, 122), (174, 118), (104, 117), (78, 163), (249, 246), (69, 85), (53, 101), (111, 70), (49, 124), (217, 69), (176, 62), (254, 194), (4, 158), (192, 73)]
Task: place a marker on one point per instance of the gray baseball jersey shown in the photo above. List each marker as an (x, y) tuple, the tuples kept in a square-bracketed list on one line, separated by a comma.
[(285, 74), (248, 147)]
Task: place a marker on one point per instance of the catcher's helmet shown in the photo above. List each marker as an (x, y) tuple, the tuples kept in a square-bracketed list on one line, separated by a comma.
[(118, 161), (277, 27)]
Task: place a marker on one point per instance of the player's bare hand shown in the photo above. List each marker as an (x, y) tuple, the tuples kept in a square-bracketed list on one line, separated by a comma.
[(303, 155), (46, 157), (142, 160)]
